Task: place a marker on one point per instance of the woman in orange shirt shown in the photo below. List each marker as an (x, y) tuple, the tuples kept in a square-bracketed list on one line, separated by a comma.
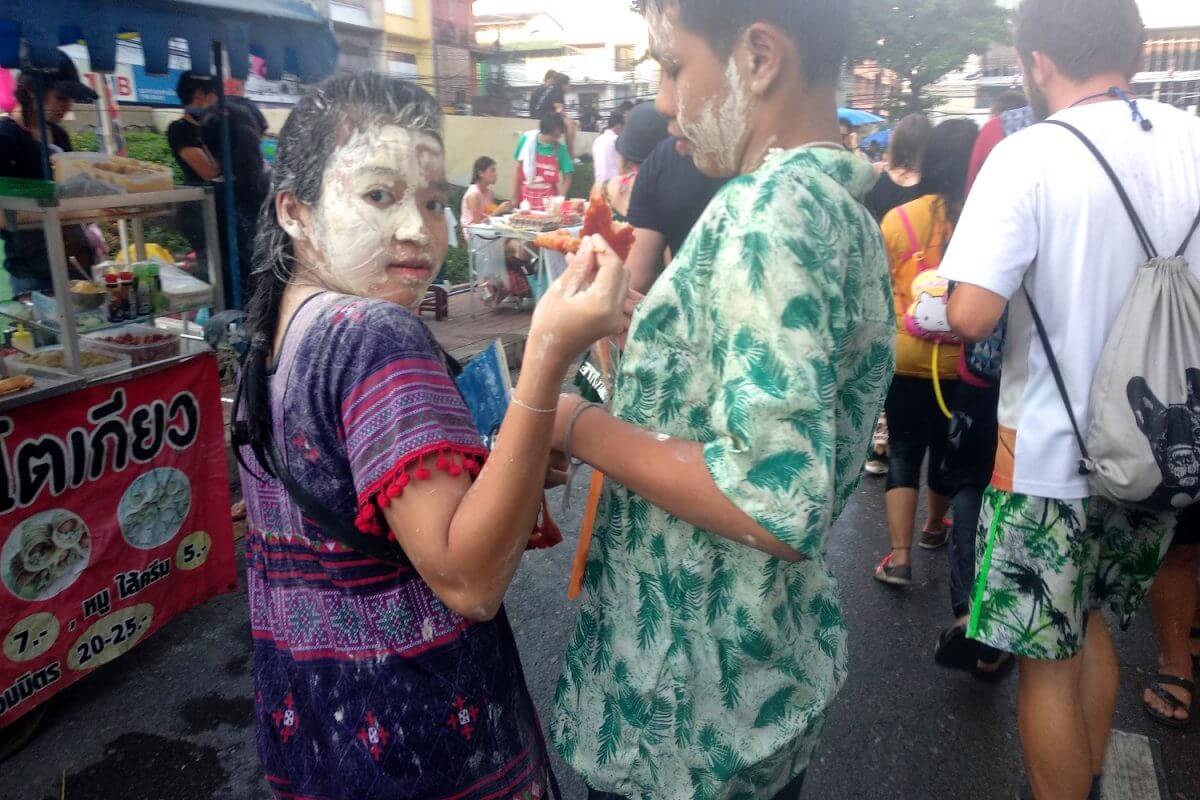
[(916, 236)]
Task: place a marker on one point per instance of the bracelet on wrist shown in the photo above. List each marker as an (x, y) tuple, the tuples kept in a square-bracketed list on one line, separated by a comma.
[(517, 402)]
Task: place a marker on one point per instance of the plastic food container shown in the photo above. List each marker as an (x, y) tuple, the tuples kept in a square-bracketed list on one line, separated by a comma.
[(50, 362), (127, 173), (183, 292), (141, 344), (45, 311)]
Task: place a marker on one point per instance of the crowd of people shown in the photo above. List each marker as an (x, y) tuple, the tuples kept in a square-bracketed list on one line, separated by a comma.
[(781, 295)]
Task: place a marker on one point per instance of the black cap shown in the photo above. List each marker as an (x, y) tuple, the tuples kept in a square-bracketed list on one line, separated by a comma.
[(64, 78), (644, 129)]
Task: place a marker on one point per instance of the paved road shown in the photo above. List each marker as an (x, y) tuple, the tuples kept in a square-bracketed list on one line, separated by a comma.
[(171, 721)]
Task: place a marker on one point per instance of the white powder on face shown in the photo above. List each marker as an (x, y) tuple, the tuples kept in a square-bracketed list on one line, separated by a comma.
[(718, 132), (372, 214)]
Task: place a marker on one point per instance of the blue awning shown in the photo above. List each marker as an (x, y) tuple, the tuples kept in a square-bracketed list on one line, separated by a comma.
[(857, 117), (288, 34)]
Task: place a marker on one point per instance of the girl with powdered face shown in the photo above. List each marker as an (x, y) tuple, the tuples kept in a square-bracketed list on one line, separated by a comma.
[(388, 677)]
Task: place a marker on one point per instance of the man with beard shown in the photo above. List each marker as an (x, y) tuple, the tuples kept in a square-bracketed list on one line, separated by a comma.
[(1045, 228)]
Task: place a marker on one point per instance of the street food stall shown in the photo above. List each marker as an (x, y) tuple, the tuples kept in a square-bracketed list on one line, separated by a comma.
[(542, 241), (114, 479)]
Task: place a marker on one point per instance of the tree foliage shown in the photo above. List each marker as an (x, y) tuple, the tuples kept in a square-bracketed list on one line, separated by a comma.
[(923, 40)]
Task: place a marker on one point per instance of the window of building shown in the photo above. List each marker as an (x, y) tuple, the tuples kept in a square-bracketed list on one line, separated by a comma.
[(403, 8), (402, 65), (625, 58)]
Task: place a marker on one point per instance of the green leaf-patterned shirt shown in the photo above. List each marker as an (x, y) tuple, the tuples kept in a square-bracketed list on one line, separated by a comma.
[(700, 668)]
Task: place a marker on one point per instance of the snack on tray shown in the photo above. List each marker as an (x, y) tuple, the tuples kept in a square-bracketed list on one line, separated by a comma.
[(599, 220), (56, 359), (86, 287), (143, 346), (129, 174), (534, 222), (16, 384), (559, 241)]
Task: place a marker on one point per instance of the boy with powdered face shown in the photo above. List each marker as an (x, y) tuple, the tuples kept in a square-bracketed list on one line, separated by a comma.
[(711, 639)]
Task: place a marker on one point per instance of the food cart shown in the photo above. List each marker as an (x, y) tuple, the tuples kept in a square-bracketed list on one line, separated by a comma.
[(114, 478), (487, 251)]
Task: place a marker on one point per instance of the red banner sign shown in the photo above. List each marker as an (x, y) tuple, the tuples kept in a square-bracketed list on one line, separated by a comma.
[(114, 518)]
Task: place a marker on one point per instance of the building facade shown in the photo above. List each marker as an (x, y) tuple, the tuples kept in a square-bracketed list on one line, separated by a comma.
[(454, 53), (358, 26), (604, 53), (408, 40)]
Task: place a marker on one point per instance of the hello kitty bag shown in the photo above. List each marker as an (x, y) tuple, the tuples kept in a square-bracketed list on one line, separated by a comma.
[(928, 316)]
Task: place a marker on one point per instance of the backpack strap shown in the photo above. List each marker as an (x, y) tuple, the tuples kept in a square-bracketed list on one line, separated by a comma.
[(1085, 462), (333, 525), (915, 250), (1143, 236), (1188, 241)]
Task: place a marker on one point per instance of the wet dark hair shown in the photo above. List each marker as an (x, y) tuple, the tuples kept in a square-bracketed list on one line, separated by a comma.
[(482, 165), (615, 120), (1009, 101), (321, 122), (1083, 38), (189, 83), (909, 140), (947, 162), (820, 28), (562, 81), (553, 123)]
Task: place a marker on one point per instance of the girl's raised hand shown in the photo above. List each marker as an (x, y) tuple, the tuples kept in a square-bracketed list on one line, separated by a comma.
[(587, 303)]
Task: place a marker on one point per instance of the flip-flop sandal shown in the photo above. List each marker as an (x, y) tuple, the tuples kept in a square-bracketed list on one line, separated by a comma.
[(1156, 688), (893, 575), (955, 650), (1001, 664)]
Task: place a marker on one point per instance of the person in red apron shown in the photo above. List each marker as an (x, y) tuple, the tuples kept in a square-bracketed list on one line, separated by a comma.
[(544, 165)]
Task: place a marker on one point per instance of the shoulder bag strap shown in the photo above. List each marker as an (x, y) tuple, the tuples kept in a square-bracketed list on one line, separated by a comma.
[(914, 245), (1085, 462), (1188, 241), (1143, 236), (331, 523)]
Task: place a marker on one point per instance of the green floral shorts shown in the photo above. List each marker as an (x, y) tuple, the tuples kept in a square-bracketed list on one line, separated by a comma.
[(1044, 565)]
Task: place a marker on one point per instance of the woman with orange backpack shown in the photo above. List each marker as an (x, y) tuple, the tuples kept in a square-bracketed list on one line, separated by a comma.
[(927, 354)]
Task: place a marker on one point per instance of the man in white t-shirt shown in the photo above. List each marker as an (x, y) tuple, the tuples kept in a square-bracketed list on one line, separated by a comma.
[(605, 159), (1044, 217)]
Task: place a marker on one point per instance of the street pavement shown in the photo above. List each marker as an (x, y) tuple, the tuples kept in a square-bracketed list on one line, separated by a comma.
[(172, 720)]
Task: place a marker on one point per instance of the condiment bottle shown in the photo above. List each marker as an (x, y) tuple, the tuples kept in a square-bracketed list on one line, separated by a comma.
[(128, 295), (23, 340), (145, 289), (116, 309), (158, 299)]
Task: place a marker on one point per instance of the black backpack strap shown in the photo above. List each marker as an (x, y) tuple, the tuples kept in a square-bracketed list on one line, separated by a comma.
[(1188, 241), (1143, 236), (1085, 462), (332, 524)]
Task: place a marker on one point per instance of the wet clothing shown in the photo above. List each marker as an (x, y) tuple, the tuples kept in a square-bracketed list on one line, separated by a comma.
[(367, 687)]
